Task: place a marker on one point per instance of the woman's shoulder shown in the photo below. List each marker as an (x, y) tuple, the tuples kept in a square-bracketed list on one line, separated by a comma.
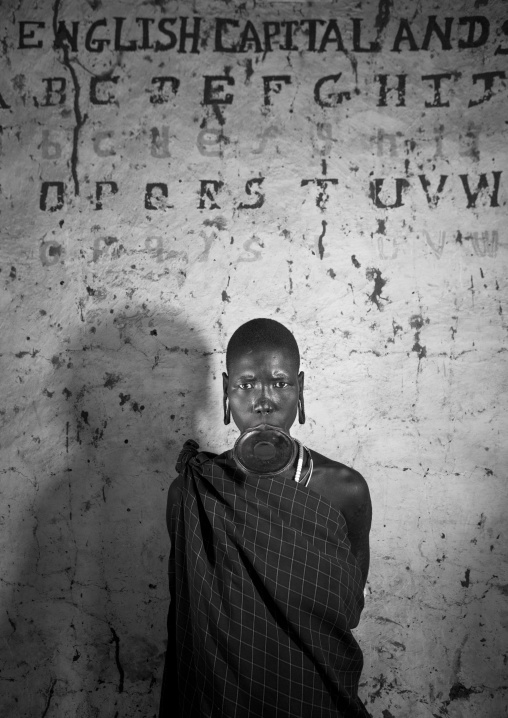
[(341, 484), (335, 470)]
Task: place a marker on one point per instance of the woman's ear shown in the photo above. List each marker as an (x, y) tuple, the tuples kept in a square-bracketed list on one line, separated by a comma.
[(301, 378), (301, 405), (225, 400)]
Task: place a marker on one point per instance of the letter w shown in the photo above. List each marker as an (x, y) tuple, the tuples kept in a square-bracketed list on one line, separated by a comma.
[(482, 185)]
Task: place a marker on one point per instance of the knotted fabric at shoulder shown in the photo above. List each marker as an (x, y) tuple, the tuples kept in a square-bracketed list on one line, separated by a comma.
[(189, 451)]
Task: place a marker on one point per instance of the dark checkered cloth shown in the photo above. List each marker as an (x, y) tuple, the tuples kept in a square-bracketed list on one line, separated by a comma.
[(264, 594)]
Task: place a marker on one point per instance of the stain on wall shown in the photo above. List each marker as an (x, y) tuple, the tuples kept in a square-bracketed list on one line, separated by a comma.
[(169, 170)]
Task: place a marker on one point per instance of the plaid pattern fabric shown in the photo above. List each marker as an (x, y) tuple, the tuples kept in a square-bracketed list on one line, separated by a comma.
[(264, 592)]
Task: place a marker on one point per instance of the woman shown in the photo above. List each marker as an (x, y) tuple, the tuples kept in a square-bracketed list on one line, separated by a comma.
[(267, 569)]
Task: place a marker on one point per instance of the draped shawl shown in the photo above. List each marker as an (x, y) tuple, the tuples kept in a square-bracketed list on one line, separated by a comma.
[(264, 594)]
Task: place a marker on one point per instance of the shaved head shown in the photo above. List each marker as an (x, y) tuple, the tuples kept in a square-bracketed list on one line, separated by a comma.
[(261, 333)]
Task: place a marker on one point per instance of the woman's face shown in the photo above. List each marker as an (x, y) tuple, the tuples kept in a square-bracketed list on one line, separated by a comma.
[(263, 387)]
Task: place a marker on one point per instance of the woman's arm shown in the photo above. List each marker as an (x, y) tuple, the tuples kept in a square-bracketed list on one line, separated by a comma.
[(355, 505)]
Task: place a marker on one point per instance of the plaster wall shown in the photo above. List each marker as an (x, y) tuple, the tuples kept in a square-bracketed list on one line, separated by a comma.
[(347, 178)]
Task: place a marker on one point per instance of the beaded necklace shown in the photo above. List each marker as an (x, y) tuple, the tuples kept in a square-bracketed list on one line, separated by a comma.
[(298, 477)]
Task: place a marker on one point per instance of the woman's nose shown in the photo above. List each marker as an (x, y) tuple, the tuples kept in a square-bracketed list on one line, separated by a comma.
[(263, 404)]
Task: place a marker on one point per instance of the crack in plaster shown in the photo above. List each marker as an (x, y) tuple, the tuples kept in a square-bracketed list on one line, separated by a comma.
[(321, 247), (121, 673), (80, 119), (50, 696)]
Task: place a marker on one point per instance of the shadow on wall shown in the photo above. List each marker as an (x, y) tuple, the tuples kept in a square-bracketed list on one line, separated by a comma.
[(87, 616)]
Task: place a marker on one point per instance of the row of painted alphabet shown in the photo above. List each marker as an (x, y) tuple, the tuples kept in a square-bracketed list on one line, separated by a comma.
[(161, 250), (52, 195), (216, 90), (212, 142)]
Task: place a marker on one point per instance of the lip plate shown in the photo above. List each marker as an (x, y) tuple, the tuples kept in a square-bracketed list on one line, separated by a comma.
[(284, 445)]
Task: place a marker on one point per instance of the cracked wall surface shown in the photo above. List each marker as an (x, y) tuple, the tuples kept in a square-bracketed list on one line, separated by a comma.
[(171, 169)]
